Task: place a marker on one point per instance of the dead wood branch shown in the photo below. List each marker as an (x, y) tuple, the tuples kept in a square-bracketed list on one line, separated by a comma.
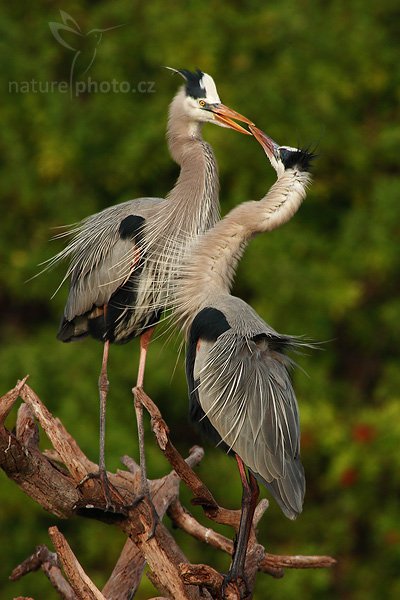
[(51, 479), (297, 562), (272, 564), (209, 578), (9, 399), (68, 450), (202, 494), (26, 430), (36, 476), (80, 582), (43, 559), (183, 519), (127, 573)]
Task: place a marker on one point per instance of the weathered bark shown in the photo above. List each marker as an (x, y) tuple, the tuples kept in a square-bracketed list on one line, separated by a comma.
[(48, 561), (53, 478), (82, 585)]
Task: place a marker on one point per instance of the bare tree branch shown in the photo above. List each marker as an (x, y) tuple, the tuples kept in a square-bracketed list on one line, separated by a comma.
[(127, 574), (128, 571), (26, 430), (160, 551), (51, 479), (202, 494), (36, 476), (270, 563), (297, 562), (8, 400), (182, 518), (72, 456), (43, 559), (80, 582), (209, 578)]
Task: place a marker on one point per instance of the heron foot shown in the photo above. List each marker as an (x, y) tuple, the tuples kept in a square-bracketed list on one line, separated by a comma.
[(236, 574), (239, 581), (155, 519), (114, 502)]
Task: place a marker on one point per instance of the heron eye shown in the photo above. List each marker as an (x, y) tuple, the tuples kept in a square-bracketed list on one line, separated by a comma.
[(202, 103)]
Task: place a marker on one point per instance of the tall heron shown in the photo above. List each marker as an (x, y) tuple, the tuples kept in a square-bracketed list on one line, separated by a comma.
[(121, 258), (240, 391)]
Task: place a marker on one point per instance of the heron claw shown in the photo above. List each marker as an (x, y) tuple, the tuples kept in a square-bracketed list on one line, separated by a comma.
[(155, 519), (116, 505), (239, 580)]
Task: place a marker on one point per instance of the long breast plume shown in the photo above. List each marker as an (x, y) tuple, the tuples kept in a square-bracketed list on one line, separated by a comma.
[(191, 208)]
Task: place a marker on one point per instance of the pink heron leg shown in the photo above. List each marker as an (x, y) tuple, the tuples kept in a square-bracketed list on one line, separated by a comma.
[(145, 490), (103, 390), (144, 343)]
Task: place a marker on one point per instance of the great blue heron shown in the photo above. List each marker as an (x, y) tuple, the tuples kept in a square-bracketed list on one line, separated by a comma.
[(240, 391), (121, 257)]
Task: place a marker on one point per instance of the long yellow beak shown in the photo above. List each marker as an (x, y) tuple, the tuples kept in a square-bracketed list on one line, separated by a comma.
[(225, 115)]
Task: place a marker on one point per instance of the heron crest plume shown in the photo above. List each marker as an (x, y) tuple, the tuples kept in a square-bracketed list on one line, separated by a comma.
[(198, 84)]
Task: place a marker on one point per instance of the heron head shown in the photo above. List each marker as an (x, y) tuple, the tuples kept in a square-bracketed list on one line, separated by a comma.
[(282, 158), (202, 103)]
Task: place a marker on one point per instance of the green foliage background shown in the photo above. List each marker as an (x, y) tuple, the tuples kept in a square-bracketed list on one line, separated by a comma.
[(306, 72)]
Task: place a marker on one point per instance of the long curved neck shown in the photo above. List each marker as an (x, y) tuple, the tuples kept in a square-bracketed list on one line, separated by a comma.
[(214, 257), (190, 208), (193, 201)]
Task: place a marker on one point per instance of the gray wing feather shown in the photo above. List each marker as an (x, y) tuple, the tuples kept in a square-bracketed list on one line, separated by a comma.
[(100, 260), (94, 284), (289, 491), (246, 393)]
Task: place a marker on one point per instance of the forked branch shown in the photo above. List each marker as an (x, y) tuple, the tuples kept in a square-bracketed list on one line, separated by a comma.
[(51, 478)]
